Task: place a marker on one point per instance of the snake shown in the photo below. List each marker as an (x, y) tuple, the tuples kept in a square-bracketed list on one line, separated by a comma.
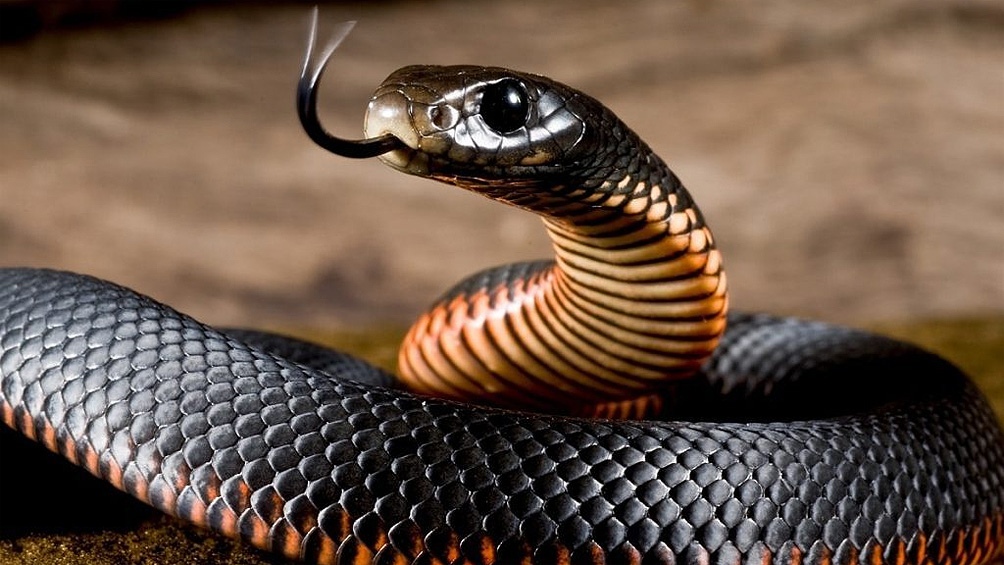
[(602, 407)]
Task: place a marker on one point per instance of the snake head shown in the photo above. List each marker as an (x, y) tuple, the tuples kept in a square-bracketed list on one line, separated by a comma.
[(512, 136), (476, 124)]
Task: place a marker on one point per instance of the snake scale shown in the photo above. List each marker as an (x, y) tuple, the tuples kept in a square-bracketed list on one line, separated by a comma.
[(766, 439)]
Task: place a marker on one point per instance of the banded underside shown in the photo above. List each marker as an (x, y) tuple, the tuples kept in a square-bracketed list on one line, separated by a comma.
[(631, 301)]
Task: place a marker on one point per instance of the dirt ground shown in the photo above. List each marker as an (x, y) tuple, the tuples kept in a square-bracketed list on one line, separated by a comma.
[(849, 156)]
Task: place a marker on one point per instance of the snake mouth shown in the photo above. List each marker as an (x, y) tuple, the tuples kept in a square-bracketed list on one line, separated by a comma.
[(391, 133), (306, 102), (407, 160), (388, 115)]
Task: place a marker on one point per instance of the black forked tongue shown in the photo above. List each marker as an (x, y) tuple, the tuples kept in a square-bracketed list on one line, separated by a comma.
[(306, 102)]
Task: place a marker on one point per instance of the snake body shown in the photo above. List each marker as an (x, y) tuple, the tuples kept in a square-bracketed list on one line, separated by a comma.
[(786, 441)]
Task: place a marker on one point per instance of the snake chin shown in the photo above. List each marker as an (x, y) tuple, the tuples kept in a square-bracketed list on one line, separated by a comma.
[(407, 160)]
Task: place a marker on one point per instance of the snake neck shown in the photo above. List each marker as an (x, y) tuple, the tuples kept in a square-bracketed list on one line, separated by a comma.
[(636, 297)]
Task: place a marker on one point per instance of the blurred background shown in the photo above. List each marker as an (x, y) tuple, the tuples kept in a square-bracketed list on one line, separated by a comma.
[(848, 155)]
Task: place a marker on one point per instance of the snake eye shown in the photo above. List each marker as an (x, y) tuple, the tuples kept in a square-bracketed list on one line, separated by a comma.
[(505, 106)]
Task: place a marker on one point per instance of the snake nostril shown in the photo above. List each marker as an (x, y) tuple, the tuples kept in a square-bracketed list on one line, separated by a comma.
[(442, 116)]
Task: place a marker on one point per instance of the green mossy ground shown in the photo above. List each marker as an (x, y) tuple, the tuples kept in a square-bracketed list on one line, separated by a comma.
[(96, 525)]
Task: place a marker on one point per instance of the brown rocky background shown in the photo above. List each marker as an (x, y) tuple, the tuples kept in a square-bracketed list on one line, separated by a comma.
[(849, 156)]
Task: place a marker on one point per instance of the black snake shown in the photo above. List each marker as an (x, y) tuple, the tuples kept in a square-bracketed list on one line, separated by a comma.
[(784, 441)]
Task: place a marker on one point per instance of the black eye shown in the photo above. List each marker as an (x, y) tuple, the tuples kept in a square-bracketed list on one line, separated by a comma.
[(505, 106)]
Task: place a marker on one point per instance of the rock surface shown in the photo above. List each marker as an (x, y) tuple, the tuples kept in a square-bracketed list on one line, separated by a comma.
[(849, 156)]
